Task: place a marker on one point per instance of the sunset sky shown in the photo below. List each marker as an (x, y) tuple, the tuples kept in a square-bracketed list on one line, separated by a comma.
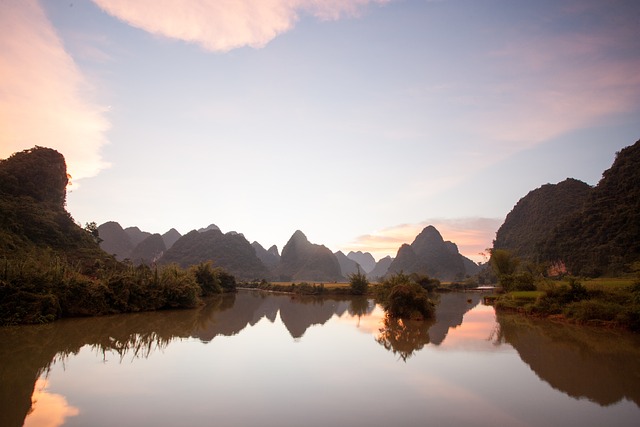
[(358, 122)]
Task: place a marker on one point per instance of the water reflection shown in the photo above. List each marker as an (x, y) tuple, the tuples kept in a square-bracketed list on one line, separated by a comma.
[(582, 362), (405, 337), (577, 361), (48, 409)]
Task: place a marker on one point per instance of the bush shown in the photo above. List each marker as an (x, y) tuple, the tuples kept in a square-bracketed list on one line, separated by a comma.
[(359, 283), (207, 279), (517, 282), (593, 310), (403, 298)]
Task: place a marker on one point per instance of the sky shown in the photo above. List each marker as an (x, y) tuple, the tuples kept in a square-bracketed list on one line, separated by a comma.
[(358, 122)]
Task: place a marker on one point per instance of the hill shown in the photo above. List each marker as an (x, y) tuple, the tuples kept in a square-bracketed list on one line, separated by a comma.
[(603, 236), (365, 259), (429, 254), (347, 265), (53, 268), (114, 240), (136, 235), (230, 251), (270, 258), (149, 250), (381, 268), (532, 220), (33, 218), (305, 261), (170, 237)]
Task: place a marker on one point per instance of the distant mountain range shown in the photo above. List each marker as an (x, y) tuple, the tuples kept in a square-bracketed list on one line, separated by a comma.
[(301, 260), (131, 243), (583, 230), (588, 231)]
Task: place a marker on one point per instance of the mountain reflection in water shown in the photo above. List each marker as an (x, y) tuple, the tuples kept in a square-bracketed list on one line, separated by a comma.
[(578, 362), (601, 365)]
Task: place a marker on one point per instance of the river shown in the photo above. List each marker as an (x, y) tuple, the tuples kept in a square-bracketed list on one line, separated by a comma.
[(256, 359)]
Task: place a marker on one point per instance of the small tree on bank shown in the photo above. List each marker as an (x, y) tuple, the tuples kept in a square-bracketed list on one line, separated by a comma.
[(403, 298), (359, 283)]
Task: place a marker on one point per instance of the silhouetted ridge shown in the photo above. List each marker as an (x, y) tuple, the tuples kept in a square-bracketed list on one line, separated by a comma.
[(365, 259), (230, 251), (531, 221), (149, 250), (302, 260), (170, 237), (429, 254), (115, 240), (270, 258), (347, 266), (603, 236), (32, 209)]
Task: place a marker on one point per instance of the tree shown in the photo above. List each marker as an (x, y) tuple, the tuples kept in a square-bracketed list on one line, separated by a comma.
[(505, 265), (207, 279), (92, 228), (403, 298), (503, 262), (359, 283)]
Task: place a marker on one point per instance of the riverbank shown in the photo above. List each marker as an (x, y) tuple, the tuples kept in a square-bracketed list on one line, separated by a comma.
[(610, 303)]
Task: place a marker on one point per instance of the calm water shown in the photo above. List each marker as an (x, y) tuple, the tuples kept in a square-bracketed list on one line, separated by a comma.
[(253, 359)]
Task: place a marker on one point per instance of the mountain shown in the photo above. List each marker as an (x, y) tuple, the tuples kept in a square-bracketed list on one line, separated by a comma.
[(270, 258), (209, 227), (170, 237), (230, 251), (302, 260), (115, 240), (381, 268), (429, 254), (347, 265), (149, 250), (33, 220), (532, 220), (365, 259), (603, 236), (136, 235)]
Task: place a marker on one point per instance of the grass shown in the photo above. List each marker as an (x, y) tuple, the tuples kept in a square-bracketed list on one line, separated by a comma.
[(526, 295), (612, 302)]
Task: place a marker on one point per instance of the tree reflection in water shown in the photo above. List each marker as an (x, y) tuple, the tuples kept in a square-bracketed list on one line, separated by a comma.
[(404, 337)]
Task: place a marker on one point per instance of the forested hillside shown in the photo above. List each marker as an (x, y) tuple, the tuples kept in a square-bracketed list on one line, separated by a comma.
[(529, 225), (50, 267), (582, 230), (603, 237)]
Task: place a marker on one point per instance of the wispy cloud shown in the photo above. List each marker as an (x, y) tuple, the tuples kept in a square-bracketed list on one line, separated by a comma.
[(471, 235), (44, 98), (222, 25), (556, 82)]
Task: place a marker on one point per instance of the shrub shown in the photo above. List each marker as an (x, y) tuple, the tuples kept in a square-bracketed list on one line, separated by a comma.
[(359, 283), (207, 279), (592, 310), (403, 298), (517, 282)]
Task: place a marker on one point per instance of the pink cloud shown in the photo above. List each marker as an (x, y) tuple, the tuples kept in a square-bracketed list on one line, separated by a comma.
[(44, 98), (222, 25), (471, 235), (558, 83)]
